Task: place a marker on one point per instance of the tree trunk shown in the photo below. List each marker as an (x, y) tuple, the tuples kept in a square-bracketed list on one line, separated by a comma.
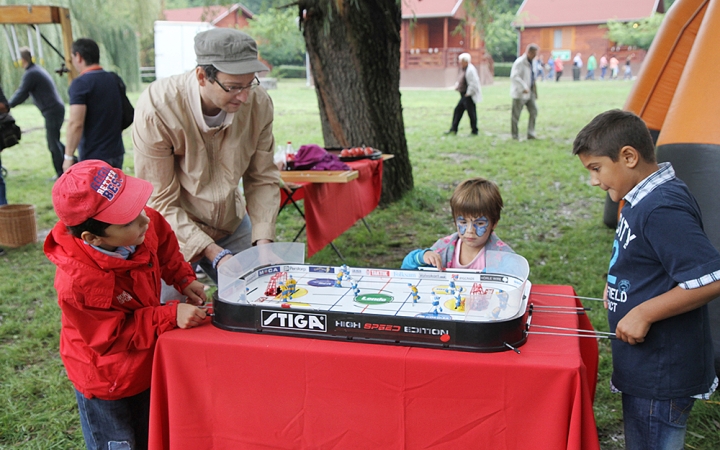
[(354, 50)]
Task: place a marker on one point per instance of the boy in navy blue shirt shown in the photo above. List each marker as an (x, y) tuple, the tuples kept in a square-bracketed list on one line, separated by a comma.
[(663, 272)]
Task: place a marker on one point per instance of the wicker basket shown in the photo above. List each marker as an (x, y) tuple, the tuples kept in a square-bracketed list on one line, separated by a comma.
[(17, 225)]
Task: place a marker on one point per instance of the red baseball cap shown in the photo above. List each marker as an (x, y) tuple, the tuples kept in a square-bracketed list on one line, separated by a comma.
[(94, 189)]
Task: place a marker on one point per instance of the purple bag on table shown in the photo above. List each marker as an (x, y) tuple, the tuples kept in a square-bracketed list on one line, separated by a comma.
[(314, 157)]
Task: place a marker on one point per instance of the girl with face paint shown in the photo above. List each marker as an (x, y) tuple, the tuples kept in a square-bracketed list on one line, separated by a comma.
[(476, 206)]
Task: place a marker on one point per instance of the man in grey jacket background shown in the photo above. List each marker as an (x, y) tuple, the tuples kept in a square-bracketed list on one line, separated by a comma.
[(523, 90)]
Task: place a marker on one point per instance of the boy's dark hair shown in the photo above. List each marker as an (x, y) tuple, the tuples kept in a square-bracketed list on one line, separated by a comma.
[(477, 197), (88, 49), (612, 130), (95, 227)]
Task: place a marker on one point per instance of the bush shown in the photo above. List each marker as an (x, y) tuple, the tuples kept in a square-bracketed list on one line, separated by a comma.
[(502, 69), (288, 72)]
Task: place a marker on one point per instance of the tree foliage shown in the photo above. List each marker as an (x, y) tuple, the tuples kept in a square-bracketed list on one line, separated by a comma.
[(637, 34), (501, 37), (115, 26), (278, 36), (495, 19)]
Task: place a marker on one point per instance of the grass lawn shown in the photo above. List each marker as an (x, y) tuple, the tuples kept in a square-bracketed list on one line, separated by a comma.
[(552, 217)]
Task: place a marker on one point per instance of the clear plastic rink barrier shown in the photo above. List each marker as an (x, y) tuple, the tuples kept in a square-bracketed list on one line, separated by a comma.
[(231, 288), (507, 297), (505, 301)]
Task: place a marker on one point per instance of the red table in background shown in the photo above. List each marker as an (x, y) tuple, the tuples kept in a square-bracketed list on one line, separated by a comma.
[(332, 208), (215, 389)]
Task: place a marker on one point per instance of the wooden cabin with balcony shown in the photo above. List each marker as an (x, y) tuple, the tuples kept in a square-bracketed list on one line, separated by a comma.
[(563, 28), (433, 34)]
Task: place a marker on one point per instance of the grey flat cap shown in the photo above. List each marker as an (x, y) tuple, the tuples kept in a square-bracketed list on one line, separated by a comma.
[(229, 50)]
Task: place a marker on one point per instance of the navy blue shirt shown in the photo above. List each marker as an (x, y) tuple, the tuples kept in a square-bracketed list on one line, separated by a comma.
[(36, 83), (102, 132), (660, 244)]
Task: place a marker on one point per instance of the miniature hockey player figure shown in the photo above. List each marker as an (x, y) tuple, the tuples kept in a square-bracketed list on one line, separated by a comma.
[(458, 300), (453, 287), (436, 306), (291, 285), (503, 297), (339, 278), (414, 292)]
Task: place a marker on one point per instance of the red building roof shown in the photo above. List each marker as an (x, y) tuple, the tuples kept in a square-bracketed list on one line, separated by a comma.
[(425, 9), (212, 14), (543, 13)]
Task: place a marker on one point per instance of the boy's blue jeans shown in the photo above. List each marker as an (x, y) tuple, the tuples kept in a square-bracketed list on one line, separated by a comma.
[(115, 424), (655, 424)]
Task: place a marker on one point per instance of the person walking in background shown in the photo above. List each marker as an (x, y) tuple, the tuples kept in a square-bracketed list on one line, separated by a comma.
[(468, 85), (591, 66), (551, 68), (628, 70), (558, 68), (523, 91), (95, 124), (37, 83), (539, 68), (603, 66), (614, 63), (577, 66)]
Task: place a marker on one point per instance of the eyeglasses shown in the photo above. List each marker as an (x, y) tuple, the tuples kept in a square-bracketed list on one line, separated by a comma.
[(236, 90)]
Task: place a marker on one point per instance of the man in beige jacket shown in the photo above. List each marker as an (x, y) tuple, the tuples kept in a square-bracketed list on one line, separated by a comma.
[(196, 136)]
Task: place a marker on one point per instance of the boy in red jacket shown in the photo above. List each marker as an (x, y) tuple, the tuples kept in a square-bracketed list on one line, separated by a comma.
[(111, 252)]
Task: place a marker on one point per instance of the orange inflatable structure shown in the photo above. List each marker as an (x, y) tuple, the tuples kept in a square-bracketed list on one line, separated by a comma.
[(677, 94)]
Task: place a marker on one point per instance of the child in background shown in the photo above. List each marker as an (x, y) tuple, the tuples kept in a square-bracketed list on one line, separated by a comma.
[(476, 206), (662, 274), (111, 252)]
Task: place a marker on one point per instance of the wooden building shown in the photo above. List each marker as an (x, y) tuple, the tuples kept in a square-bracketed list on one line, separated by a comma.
[(433, 34), (563, 28), (235, 16)]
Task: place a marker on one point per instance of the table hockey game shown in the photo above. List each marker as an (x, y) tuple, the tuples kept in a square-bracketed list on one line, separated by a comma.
[(461, 310)]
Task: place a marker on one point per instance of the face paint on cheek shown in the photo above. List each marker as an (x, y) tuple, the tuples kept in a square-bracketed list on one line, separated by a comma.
[(462, 225), (481, 226)]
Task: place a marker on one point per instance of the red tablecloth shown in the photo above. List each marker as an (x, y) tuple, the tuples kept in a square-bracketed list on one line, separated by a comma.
[(332, 208), (215, 389)]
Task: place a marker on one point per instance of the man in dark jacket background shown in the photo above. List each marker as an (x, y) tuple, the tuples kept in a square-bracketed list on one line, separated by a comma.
[(37, 83)]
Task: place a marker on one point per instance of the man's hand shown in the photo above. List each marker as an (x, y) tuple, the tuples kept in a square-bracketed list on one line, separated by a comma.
[(212, 250), (67, 163), (73, 132)]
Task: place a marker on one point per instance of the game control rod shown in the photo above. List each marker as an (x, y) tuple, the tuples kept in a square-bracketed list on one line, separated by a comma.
[(592, 333), (551, 309), (567, 296), (596, 336)]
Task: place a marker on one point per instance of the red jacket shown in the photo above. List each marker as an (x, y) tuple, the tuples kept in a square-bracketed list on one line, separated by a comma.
[(111, 312)]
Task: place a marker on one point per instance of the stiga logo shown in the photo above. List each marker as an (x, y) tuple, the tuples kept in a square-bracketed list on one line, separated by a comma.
[(294, 321)]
